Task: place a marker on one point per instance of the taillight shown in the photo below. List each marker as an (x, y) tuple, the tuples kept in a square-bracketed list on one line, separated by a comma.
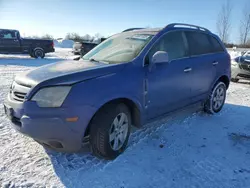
[(53, 44)]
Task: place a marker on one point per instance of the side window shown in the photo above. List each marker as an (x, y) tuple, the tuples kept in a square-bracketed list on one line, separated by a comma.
[(172, 43), (216, 45), (5, 34), (198, 43), (1, 34)]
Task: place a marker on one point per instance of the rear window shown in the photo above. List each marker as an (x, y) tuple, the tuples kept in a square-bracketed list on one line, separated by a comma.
[(216, 45), (199, 43)]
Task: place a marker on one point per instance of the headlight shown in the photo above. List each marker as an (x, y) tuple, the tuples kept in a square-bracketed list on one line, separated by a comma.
[(234, 63), (51, 96)]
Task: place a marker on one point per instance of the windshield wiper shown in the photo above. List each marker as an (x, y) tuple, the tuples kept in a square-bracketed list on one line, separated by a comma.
[(94, 60)]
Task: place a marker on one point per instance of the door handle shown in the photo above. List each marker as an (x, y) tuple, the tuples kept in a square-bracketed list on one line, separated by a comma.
[(187, 70), (215, 63)]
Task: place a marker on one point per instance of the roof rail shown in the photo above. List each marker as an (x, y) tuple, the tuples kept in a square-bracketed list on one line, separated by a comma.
[(132, 29), (187, 25)]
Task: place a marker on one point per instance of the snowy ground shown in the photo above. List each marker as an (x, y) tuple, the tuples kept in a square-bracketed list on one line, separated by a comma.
[(188, 149)]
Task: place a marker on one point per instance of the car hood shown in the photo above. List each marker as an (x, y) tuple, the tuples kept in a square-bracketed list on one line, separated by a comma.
[(242, 59), (66, 72)]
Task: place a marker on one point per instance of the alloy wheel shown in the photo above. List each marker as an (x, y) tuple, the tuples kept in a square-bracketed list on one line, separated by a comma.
[(118, 131), (219, 98)]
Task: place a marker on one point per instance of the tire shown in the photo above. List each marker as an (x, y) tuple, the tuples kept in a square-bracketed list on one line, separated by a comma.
[(218, 94), (105, 141), (39, 53), (234, 79)]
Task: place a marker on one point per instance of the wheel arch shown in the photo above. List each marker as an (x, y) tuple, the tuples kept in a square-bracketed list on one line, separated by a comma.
[(132, 105), (225, 80), (37, 48), (32, 48)]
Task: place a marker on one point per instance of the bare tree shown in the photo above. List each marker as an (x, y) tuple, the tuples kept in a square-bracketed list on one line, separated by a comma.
[(245, 25), (87, 37), (224, 21), (73, 36), (98, 36), (47, 36)]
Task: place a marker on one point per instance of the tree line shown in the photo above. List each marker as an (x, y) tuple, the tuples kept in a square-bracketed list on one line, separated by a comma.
[(224, 24), (71, 36)]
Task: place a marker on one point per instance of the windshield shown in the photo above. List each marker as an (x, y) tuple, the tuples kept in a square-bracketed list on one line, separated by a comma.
[(120, 48), (247, 54)]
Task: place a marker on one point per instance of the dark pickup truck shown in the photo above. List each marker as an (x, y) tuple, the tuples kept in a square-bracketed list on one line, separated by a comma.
[(12, 43), (81, 48)]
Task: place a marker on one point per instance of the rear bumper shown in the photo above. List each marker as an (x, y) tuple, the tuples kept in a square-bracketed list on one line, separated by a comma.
[(49, 125), (48, 50)]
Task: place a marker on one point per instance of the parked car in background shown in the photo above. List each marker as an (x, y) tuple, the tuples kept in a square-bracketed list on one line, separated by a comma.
[(241, 67), (245, 53), (103, 39), (81, 48), (129, 79), (12, 43)]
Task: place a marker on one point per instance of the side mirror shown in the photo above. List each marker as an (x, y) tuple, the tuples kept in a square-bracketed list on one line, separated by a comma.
[(160, 57), (77, 58)]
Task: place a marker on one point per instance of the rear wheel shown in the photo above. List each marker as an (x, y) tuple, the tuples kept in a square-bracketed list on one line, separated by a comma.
[(39, 53), (109, 131), (216, 99)]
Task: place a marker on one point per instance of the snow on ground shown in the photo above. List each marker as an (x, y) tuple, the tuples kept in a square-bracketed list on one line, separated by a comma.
[(60, 53), (187, 149), (234, 54), (64, 43)]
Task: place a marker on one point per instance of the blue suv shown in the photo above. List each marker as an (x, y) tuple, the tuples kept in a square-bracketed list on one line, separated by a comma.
[(129, 79)]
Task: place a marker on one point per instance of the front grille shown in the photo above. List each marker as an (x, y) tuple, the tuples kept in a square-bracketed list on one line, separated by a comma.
[(19, 96), (244, 76), (245, 67), (18, 92), (16, 121)]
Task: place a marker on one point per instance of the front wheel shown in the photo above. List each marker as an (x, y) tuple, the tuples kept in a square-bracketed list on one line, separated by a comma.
[(109, 131), (39, 53), (216, 99)]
